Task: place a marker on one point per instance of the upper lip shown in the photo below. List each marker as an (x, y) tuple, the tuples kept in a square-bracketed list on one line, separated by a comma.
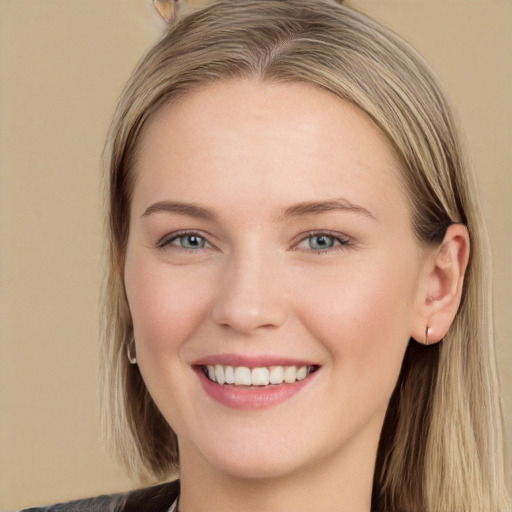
[(251, 361)]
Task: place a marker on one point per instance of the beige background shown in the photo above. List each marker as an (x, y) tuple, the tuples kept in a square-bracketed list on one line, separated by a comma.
[(63, 63)]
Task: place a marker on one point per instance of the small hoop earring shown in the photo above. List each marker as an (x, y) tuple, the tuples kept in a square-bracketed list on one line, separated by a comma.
[(428, 332), (132, 359)]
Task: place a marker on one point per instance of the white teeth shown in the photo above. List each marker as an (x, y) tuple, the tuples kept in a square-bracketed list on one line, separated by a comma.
[(276, 375), (229, 375), (242, 376), (290, 374), (260, 376), (219, 374), (302, 373)]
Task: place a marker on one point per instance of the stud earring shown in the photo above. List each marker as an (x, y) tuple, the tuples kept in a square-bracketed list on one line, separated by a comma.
[(132, 359), (428, 332)]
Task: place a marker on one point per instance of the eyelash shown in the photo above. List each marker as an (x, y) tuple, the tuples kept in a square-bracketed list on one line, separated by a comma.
[(167, 240), (340, 242)]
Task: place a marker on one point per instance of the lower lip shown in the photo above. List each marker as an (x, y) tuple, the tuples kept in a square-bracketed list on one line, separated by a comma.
[(251, 397)]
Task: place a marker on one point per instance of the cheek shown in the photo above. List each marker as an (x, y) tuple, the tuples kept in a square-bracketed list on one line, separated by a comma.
[(166, 307), (363, 317)]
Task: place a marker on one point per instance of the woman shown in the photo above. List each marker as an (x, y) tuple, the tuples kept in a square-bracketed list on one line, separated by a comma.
[(296, 300)]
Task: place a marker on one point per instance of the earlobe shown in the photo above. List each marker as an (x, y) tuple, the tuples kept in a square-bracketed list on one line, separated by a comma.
[(442, 290)]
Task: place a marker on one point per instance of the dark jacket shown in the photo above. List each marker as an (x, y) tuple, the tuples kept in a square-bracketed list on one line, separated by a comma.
[(152, 499)]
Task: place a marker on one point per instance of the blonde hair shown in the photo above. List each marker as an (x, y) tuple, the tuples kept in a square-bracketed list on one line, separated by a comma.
[(441, 444)]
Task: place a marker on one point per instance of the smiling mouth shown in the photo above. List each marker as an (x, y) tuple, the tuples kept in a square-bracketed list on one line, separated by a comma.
[(260, 376)]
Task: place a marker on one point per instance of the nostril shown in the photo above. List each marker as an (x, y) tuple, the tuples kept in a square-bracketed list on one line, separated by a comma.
[(245, 317)]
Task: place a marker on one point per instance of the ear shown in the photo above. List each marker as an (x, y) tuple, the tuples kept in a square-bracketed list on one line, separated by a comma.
[(441, 289)]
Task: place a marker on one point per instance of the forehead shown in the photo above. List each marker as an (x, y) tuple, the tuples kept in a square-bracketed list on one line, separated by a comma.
[(284, 142)]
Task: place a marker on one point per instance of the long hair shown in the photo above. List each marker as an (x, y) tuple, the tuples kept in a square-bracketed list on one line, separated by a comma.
[(441, 444)]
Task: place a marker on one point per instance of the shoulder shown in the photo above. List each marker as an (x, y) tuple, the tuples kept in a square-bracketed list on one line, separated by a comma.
[(151, 499)]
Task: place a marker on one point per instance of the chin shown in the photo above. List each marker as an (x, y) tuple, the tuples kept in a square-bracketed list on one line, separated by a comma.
[(255, 467), (251, 458)]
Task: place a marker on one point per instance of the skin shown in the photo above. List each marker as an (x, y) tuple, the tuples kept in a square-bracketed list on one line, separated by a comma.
[(259, 283)]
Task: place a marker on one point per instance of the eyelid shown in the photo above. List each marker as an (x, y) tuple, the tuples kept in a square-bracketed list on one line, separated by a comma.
[(342, 239), (170, 237)]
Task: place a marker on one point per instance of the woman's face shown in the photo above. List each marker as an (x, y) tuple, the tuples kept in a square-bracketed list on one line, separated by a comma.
[(270, 244)]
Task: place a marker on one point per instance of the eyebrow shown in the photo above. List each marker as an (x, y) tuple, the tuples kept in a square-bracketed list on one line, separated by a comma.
[(181, 208), (318, 207), (296, 210)]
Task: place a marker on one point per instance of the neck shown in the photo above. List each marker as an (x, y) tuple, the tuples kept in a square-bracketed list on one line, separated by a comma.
[(341, 481)]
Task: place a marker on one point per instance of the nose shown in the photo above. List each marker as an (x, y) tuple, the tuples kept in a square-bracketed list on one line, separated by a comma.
[(250, 297)]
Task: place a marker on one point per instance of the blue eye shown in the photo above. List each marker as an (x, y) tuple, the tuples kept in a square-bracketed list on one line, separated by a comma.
[(323, 242), (190, 241), (319, 242)]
